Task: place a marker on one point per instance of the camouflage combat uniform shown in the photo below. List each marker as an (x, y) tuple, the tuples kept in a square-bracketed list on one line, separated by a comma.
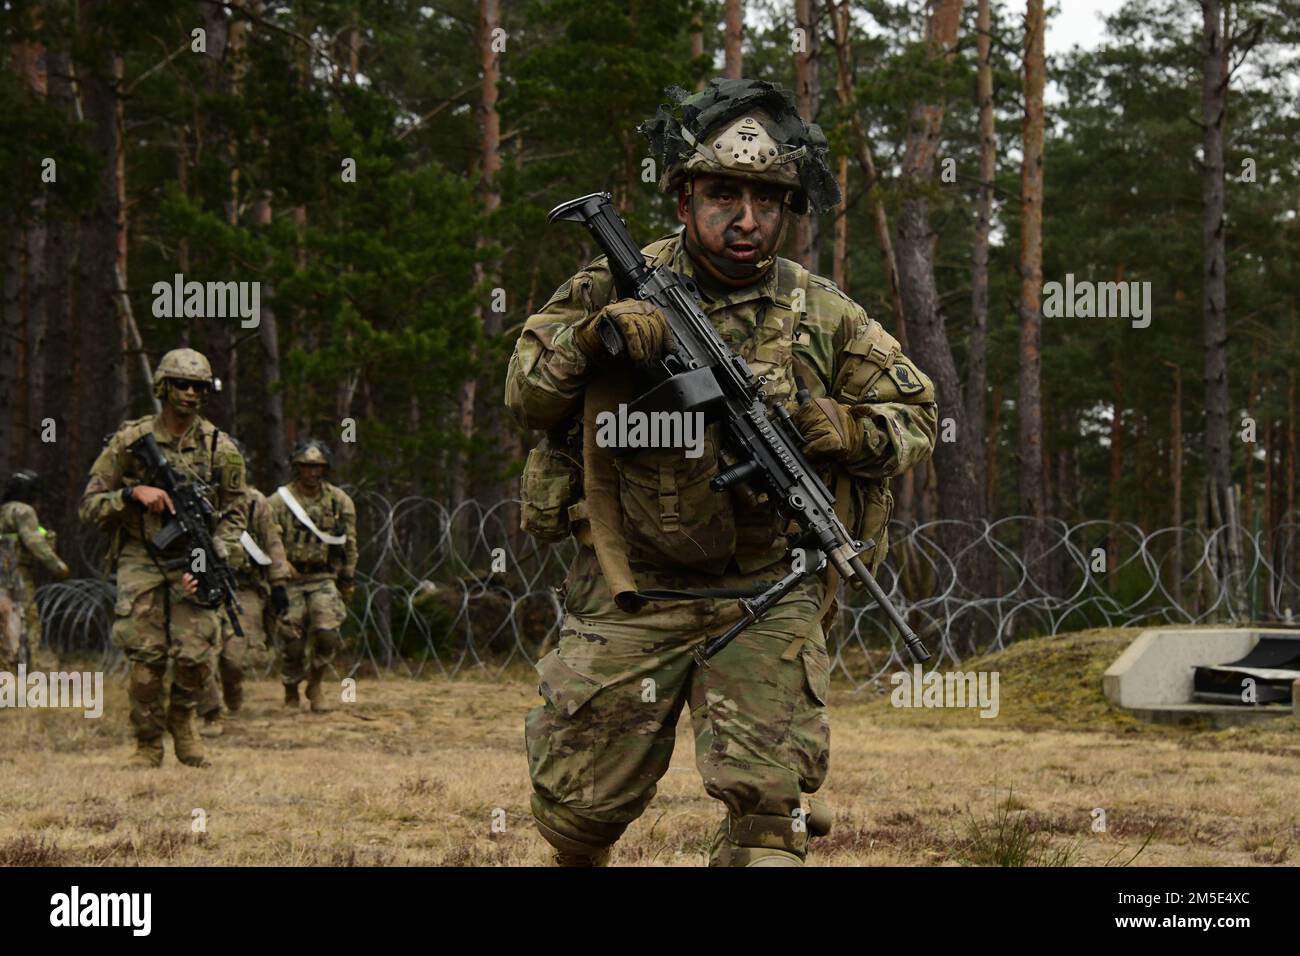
[(615, 684), (310, 630), (31, 542), (155, 621), (254, 582)]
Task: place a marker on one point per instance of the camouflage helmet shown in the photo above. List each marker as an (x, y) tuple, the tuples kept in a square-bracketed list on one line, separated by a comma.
[(181, 363), (311, 452), (748, 129)]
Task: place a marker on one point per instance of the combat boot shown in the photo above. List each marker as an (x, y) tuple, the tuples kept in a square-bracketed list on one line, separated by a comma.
[(189, 746), (212, 724), (314, 695), (291, 698), (597, 858), (148, 754)]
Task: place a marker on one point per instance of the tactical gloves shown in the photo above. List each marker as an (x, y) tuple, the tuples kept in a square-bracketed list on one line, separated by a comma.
[(834, 431), (643, 329), (279, 600), (346, 588)]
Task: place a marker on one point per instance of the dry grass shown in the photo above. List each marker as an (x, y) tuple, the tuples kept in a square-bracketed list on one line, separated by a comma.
[(412, 774)]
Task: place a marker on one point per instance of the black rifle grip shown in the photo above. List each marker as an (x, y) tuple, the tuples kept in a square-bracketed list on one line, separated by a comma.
[(612, 337)]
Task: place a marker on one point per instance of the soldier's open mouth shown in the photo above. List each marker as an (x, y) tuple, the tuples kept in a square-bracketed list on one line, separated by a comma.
[(742, 251)]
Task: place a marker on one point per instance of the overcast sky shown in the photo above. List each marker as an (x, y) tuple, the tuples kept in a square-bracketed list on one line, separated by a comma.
[(1077, 22)]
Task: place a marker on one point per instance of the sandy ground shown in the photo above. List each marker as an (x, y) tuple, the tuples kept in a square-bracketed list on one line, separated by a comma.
[(433, 772)]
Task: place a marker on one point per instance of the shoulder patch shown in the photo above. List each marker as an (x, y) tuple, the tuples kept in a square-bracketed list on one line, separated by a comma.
[(560, 295), (904, 376)]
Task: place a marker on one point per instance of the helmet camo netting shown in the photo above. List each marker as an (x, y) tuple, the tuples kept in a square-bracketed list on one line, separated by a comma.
[(726, 100)]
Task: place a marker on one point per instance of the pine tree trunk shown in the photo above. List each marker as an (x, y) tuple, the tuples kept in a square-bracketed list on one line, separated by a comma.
[(102, 245), (1214, 90), (735, 17), (275, 470), (977, 362), (808, 96), (1029, 406), (958, 496)]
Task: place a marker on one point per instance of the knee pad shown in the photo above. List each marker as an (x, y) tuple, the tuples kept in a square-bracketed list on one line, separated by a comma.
[(571, 833), (819, 817), (759, 840)]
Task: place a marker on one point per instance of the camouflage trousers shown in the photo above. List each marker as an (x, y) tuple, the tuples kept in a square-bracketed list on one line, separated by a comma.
[(613, 690), (235, 655), (309, 630), (159, 625)]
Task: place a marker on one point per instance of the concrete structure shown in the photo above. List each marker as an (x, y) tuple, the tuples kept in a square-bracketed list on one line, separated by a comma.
[(1153, 677)]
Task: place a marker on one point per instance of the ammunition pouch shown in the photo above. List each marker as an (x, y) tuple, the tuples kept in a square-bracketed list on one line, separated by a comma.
[(673, 518), (550, 484)]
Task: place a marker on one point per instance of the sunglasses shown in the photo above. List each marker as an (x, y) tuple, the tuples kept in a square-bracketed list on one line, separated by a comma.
[(188, 384)]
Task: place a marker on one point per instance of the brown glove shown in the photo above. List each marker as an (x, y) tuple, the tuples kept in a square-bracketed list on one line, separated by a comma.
[(347, 587), (831, 430), (643, 328)]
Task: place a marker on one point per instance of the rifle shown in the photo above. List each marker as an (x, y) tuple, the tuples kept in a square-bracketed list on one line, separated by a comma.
[(188, 525), (700, 373)]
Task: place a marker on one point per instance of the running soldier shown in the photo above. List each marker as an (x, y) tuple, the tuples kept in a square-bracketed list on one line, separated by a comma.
[(318, 523), (742, 164)]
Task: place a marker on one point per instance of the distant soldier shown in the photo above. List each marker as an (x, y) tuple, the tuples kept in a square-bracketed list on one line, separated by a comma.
[(319, 525), (25, 542), (261, 571), (156, 620)]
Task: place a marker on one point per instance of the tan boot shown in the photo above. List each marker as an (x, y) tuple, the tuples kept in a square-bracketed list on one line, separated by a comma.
[(212, 726), (314, 695), (598, 858), (189, 746), (148, 754), (291, 698)]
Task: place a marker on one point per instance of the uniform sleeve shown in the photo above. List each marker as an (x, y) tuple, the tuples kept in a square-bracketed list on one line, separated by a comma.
[(232, 499), (33, 538), (279, 518), (267, 531), (350, 525), (902, 418), (547, 371), (101, 502)]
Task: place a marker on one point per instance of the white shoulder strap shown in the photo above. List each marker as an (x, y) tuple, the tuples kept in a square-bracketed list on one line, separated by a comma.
[(287, 497), (254, 552)]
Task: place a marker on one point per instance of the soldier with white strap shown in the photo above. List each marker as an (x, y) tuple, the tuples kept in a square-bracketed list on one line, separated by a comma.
[(318, 523)]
